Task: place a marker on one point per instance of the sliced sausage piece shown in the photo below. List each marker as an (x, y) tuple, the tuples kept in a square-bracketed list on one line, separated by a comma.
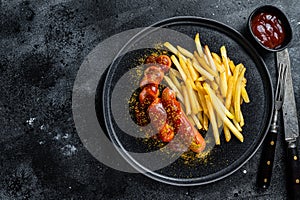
[(166, 134), (157, 114), (165, 62), (158, 120), (179, 121), (148, 94), (152, 75)]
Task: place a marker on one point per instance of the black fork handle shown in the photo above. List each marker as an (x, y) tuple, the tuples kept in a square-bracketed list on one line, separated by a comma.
[(267, 158)]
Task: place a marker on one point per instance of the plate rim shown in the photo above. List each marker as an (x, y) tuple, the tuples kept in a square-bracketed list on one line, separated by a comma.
[(199, 180)]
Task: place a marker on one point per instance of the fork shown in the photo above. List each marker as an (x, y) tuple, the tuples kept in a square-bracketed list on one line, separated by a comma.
[(268, 152)]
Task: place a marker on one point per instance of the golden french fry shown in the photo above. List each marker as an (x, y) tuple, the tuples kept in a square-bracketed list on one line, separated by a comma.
[(212, 119), (216, 58), (237, 96), (198, 44), (219, 121), (245, 94), (174, 88), (236, 124), (182, 56), (205, 59), (233, 129), (210, 58), (200, 117), (231, 66), (238, 68), (221, 99), (225, 60), (205, 122), (193, 72), (217, 80), (175, 80), (186, 71), (196, 121), (175, 72), (214, 85), (186, 100), (191, 120), (193, 101), (185, 52), (220, 66), (197, 99), (202, 71), (242, 122), (189, 76), (212, 64), (201, 94), (235, 75), (216, 101), (178, 66), (227, 133), (171, 47), (202, 62), (223, 84), (183, 66), (202, 78), (229, 93)]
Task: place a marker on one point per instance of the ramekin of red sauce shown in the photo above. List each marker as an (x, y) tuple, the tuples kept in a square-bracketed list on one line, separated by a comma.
[(270, 28)]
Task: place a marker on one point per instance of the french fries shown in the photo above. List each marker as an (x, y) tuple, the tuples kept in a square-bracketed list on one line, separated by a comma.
[(237, 96), (173, 77), (213, 121), (198, 44), (202, 62), (203, 71), (186, 100), (171, 48), (196, 121), (176, 63), (185, 52), (210, 87), (210, 58), (174, 88)]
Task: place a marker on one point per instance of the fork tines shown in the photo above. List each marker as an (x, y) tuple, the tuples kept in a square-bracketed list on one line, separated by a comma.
[(279, 94)]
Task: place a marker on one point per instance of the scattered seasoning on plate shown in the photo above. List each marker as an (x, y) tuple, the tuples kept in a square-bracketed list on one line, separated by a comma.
[(268, 29)]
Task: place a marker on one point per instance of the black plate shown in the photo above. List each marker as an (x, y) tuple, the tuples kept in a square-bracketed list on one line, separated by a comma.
[(122, 79)]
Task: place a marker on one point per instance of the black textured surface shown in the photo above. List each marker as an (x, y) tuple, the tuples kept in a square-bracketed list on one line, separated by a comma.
[(42, 45)]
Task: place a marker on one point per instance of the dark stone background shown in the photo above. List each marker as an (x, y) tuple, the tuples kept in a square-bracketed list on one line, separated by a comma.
[(42, 45)]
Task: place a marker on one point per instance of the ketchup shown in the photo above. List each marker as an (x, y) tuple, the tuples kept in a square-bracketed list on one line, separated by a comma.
[(268, 29)]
